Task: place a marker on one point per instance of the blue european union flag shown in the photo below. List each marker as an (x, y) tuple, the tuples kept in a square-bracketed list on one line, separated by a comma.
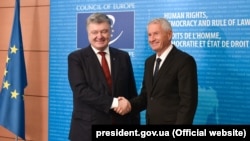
[(12, 115)]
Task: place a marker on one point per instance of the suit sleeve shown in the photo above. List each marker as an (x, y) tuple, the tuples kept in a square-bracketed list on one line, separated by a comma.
[(188, 91), (83, 94)]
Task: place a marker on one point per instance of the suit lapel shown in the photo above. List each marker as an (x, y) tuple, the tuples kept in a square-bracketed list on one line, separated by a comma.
[(95, 66), (166, 64), (114, 61)]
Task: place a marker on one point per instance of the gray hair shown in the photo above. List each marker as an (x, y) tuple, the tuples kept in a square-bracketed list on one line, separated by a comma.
[(98, 18), (165, 24)]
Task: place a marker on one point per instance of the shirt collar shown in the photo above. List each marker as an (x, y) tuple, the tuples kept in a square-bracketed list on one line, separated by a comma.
[(165, 53), (96, 51)]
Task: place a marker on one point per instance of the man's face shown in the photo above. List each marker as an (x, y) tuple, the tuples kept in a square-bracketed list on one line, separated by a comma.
[(158, 39), (99, 35)]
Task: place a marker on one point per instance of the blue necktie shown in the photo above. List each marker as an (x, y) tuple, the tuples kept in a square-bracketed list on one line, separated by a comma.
[(158, 61)]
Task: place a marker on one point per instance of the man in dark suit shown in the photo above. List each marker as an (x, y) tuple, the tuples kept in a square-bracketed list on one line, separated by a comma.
[(93, 98), (171, 95)]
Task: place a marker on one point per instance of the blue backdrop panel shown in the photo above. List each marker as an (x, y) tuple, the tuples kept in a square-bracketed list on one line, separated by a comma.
[(215, 32)]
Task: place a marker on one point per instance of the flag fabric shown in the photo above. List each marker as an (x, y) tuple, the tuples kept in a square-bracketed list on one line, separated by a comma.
[(12, 114)]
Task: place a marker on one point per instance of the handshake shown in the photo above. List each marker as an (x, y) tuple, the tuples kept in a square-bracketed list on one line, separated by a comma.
[(124, 106)]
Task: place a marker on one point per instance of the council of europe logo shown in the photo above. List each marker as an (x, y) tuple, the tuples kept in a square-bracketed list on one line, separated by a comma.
[(122, 32)]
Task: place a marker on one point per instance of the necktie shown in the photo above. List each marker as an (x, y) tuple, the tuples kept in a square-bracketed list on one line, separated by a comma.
[(158, 61), (105, 69)]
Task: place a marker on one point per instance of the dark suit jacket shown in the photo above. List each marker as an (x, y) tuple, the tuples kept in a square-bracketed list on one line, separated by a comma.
[(91, 98), (172, 98)]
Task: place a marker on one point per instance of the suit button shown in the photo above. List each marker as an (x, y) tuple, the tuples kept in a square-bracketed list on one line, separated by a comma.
[(151, 98)]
